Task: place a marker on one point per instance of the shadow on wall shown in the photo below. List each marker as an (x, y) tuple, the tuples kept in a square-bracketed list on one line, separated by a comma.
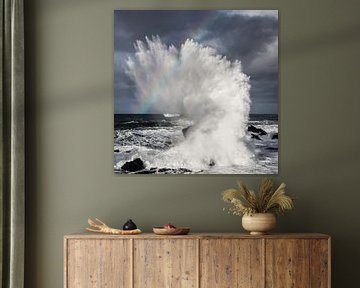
[(72, 99)]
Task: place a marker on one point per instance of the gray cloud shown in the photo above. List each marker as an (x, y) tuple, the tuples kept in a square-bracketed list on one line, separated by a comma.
[(253, 13), (245, 35)]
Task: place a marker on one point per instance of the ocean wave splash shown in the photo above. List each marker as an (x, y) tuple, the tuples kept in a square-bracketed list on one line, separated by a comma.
[(206, 87)]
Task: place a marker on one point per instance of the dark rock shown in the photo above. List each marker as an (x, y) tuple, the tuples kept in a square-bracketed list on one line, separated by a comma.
[(129, 225), (173, 171), (117, 150), (259, 131), (186, 131), (275, 136), (133, 166), (184, 170), (167, 170), (146, 172), (272, 148), (254, 136)]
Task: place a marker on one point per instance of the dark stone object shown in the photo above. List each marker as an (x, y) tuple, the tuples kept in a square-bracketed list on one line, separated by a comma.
[(259, 131), (254, 136), (151, 171), (186, 131), (275, 136), (271, 148), (161, 170), (129, 225), (116, 150), (133, 166), (173, 171), (184, 170)]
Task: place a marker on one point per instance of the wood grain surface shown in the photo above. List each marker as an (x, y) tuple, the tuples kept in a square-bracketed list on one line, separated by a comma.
[(287, 263), (319, 263), (231, 263), (88, 235), (98, 263), (197, 260), (165, 263)]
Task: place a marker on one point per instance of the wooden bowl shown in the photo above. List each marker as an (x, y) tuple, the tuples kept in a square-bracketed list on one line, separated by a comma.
[(171, 231)]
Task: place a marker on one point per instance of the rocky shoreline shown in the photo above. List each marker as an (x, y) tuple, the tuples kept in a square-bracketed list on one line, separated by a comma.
[(137, 166)]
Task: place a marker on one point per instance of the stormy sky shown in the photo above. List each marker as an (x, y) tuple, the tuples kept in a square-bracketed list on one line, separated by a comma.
[(250, 36)]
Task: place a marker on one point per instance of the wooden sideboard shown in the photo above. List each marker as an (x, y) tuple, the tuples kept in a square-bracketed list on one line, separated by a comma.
[(197, 260)]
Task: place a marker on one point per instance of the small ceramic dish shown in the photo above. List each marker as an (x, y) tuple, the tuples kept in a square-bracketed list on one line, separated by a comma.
[(171, 231)]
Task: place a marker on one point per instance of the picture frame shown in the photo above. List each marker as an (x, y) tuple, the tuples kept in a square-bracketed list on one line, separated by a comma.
[(196, 92)]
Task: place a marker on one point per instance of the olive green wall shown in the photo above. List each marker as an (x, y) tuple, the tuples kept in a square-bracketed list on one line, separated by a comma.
[(69, 74)]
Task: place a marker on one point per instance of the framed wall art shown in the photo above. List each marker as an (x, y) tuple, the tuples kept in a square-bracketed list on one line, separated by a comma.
[(196, 91)]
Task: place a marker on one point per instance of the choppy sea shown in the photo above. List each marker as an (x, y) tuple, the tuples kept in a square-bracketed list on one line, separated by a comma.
[(147, 136)]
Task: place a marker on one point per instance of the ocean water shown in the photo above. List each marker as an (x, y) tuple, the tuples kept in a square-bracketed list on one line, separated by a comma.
[(158, 140)]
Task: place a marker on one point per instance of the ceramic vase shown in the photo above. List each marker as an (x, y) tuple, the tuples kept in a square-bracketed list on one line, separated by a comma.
[(259, 223)]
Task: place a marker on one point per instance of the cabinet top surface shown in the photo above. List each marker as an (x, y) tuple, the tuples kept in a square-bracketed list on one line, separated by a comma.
[(86, 235)]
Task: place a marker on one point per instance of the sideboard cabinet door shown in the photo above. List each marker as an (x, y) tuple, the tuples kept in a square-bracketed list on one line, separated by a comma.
[(297, 263), (320, 263), (287, 263), (98, 263), (231, 263), (167, 263)]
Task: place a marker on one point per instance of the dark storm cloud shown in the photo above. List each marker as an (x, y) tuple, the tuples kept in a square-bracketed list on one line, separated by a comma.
[(242, 37), (172, 26), (248, 36)]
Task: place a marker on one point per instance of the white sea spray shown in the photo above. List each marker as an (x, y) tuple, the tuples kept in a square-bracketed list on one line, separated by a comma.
[(211, 90)]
